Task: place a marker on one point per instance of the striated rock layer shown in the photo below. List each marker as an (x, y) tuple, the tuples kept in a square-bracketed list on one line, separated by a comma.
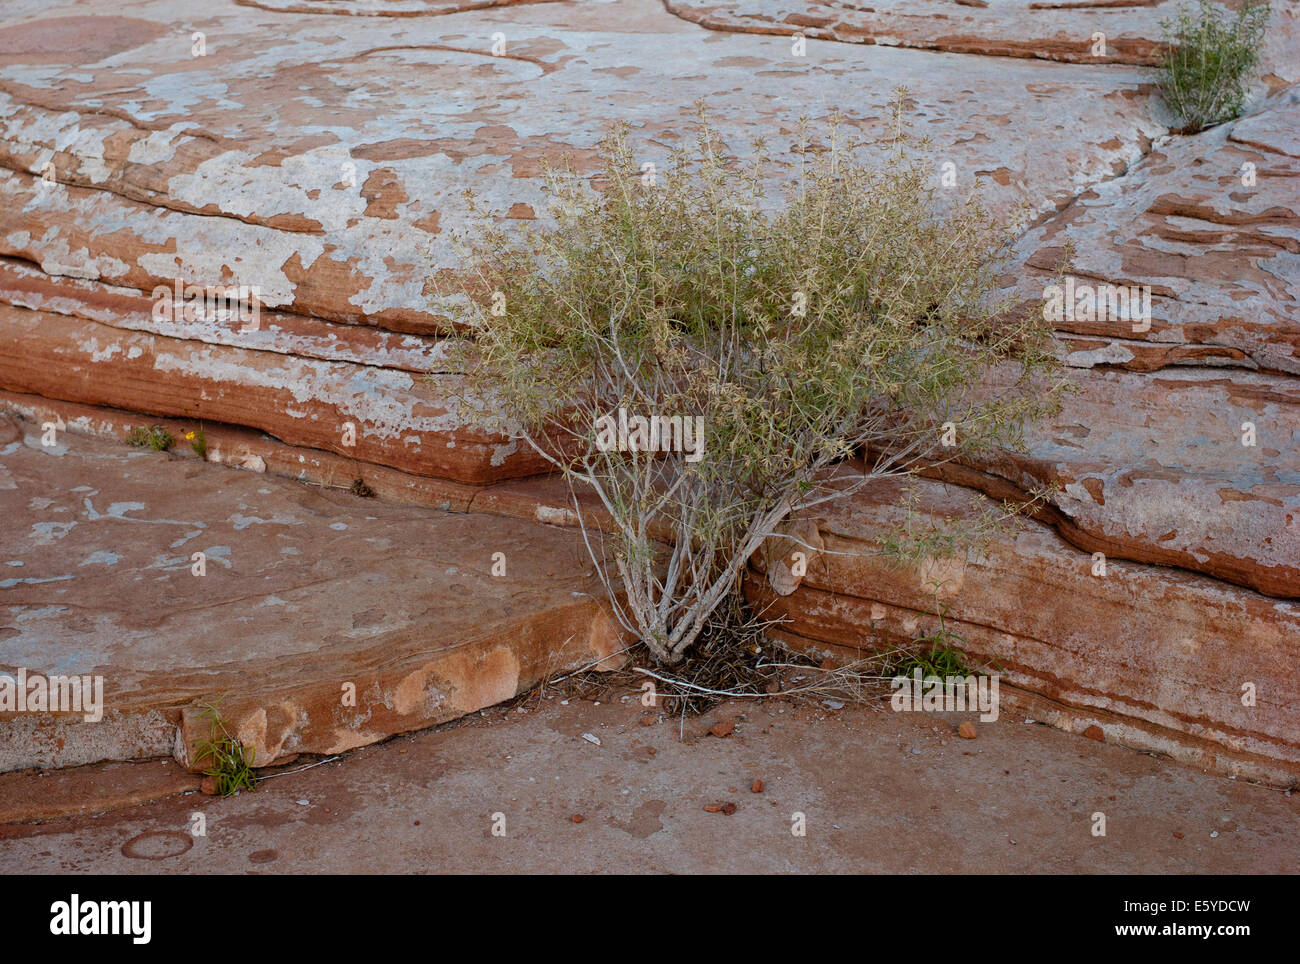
[(317, 622), (1075, 31), (316, 154), (1159, 656)]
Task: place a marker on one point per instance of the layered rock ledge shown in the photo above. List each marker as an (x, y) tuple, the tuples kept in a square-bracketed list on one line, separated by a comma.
[(316, 153), (315, 621)]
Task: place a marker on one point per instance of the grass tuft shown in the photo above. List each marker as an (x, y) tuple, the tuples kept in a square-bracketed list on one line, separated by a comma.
[(232, 763), (155, 437)]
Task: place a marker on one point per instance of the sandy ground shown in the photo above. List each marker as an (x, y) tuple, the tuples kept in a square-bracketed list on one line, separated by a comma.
[(878, 791)]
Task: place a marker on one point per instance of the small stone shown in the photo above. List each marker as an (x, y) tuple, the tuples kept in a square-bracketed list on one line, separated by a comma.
[(967, 730), (729, 808), (757, 787), (1095, 732), (1177, 835), (591, 739), (723, 728), (208, 786), (833, 704), (576, 818)]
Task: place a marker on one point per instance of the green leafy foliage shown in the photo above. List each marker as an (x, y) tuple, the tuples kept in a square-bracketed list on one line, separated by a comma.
[(231, 764), (154, 436), (1208, 60), (937, 654)]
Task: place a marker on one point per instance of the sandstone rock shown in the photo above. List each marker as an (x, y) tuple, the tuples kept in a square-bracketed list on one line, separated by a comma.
[(1165, 651), (390, 8), (30, 796), (326, 621), (419, 424), (243, 167), (1153, 468), (1211, 224), (25, 286), (1008, 28), (244, 448), (248, 165), (1180, 447), (327, 171), (967, 730), (787, 557)]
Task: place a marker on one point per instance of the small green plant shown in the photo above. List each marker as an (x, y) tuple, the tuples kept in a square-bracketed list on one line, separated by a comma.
[(155, 437), (943, 658), (198, 442), (232, 764), (1208, 58)]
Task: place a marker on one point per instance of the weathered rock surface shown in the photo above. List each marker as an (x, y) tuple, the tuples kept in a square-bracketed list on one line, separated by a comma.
[(1150, 458), (29, 797), (417, 423), (1153, 468), (308, 595), (318, 150), (329, 172), (381, 8), (1062, 30), (1180, 447), (1211, 224), (328, 178), (1167, 650), (25, 286)]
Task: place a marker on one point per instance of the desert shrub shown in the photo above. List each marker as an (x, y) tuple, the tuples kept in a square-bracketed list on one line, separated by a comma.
[(1208, 59), (842, 330)]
